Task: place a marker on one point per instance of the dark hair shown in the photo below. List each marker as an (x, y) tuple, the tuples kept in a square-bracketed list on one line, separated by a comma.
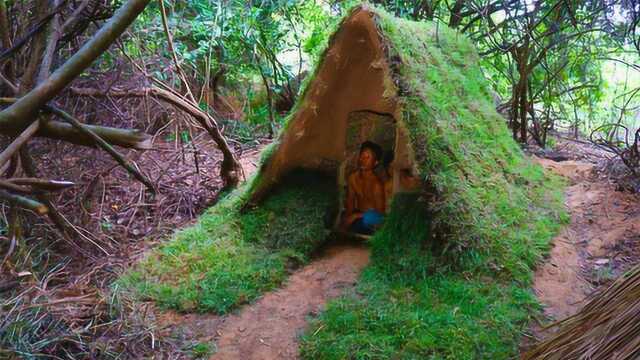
[(375, 148)]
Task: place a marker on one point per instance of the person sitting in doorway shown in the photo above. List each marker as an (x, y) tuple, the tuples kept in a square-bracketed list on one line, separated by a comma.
[(365, 204)]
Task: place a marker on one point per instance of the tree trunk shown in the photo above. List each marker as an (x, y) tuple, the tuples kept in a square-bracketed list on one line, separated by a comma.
[(5, 41), (513, 112), (519, 103), (265, 81), (456, 17), (523, 112)]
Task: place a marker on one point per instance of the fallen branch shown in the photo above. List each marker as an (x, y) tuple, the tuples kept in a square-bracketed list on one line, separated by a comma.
[(24, 202), (17, 143), (42, 184), (7, 185), (126, 138)]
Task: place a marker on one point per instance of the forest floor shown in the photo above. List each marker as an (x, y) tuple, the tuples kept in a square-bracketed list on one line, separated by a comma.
[(598, 245)]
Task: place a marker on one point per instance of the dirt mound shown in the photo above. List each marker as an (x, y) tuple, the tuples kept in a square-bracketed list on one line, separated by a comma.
[(573, 170)]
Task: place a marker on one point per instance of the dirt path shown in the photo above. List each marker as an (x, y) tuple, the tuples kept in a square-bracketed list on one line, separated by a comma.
[(592, 250), (269, 329)]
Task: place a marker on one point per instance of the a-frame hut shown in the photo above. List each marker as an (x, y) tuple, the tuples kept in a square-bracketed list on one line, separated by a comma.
[(461, 186), (418, 90)]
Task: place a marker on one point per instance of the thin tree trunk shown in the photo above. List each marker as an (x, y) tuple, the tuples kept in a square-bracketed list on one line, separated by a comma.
[(523, 113), (55, 32), (5, 26), (37, 47), (265, 81), (456, 17), (513, 112), (181, 73), (5, 41)]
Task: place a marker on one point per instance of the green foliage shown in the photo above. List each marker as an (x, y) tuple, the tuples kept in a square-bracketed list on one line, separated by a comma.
[(243, 39), (232, 256)]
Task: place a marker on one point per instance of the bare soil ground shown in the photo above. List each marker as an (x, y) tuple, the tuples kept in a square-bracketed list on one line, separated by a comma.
[(599, 244), (269, 329)]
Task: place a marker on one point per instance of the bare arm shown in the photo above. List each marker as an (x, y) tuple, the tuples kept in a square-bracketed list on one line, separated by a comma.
[(350, 205)]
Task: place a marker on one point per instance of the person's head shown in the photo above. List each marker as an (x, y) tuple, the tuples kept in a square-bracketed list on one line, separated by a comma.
[(370, 154)]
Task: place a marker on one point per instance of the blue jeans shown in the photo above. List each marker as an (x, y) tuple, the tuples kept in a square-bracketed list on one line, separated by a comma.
[(367, 224)]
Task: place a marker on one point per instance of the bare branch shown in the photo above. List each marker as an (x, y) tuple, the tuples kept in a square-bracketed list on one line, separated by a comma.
[(17, 143), (41, 184), (105, 146)]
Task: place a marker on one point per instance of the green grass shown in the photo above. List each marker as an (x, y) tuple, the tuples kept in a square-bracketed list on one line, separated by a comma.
[(233, 255), (411, 303), (440, 317)]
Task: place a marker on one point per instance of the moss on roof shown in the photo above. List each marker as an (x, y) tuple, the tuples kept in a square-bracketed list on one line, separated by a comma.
[(486, 189)]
